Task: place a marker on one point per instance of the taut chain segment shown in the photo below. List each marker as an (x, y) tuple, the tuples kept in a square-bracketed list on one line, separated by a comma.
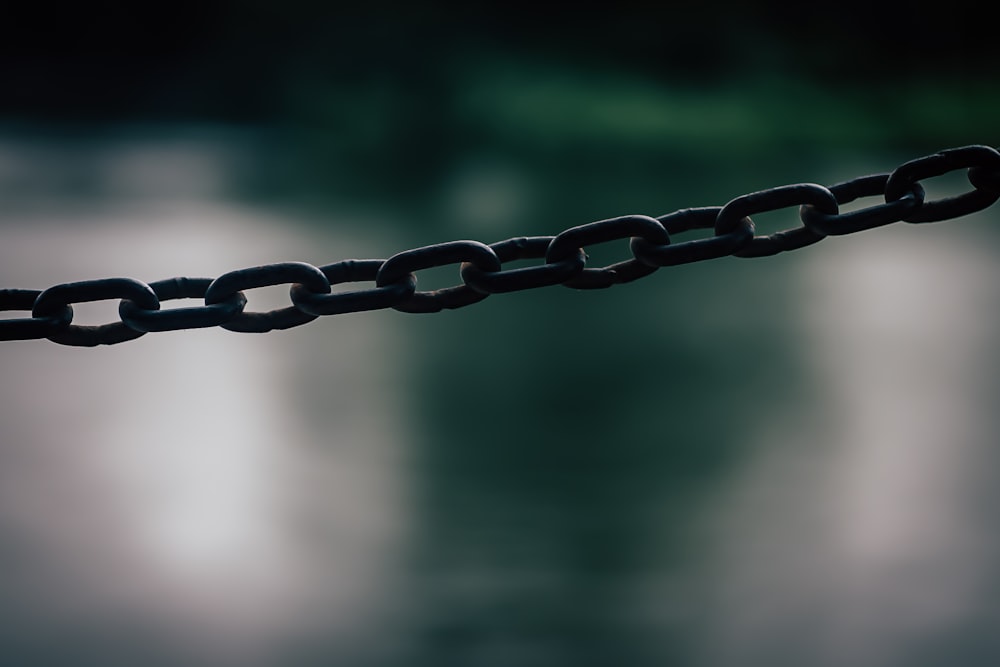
[(562, 259)]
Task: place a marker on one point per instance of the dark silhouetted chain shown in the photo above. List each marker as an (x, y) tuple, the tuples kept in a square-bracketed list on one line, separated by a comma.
[(482, 266)]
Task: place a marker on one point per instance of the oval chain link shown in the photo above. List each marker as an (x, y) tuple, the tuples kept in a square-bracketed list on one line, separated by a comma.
[(603, 231), (528, 277), (696, 250), (776, 199), (349, 271), (429, 257), (983, 158), (53, 300), (878, 215), (225, 286), (196, 317)]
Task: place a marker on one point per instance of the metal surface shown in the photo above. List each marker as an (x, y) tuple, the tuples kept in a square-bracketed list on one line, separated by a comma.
[(481, 265)]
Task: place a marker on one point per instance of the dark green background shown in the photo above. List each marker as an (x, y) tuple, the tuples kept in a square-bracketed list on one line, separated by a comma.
[(564, 449)]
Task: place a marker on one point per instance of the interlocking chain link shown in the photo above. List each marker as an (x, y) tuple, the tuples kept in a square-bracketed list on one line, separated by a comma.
[(481, 266)]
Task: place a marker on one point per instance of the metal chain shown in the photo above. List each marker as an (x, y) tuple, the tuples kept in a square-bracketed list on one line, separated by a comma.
[(481, 266)]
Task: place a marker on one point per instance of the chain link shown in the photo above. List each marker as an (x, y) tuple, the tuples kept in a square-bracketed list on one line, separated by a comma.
[(529, 277), (651, 245), (153, 319)]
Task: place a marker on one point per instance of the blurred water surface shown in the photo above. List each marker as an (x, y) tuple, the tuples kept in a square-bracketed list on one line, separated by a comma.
[(788, 460)]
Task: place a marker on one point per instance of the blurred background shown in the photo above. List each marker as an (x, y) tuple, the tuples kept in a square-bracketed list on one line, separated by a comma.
[(779, 461)]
